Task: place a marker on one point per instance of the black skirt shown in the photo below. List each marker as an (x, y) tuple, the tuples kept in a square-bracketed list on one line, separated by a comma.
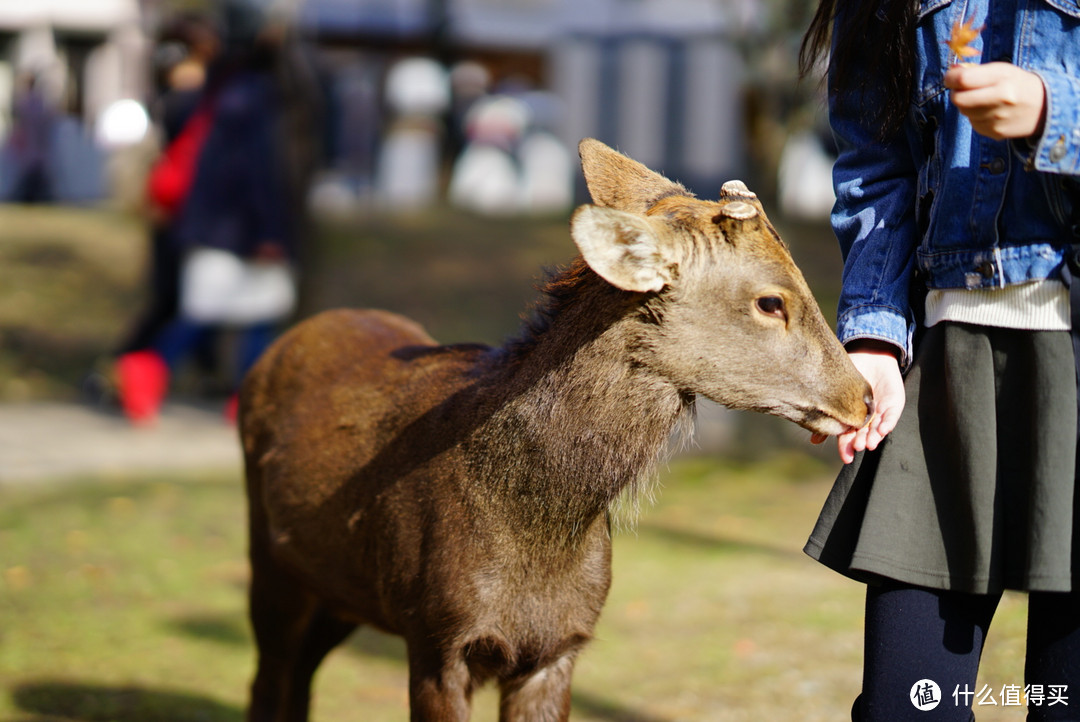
[(974, 489)]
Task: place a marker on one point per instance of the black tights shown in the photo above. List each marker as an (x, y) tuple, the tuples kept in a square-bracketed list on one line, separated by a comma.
[(914, 634)]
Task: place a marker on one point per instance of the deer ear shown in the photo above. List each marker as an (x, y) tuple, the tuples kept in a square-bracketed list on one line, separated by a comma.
[(621, 247), (615, 181)]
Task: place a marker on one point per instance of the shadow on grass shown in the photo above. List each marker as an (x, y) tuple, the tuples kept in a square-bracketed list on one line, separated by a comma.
[(369, 642), (96, 703), (62, 360), (234, 631), (222, 628), (712, 542), (77, 702), (607, 709)]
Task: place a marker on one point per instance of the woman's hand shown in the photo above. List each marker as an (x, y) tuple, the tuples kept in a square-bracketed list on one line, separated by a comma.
[(876, 361), (1000, 99)]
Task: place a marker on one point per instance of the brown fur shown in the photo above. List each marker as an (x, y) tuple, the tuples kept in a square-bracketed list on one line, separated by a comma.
[(457, 495)]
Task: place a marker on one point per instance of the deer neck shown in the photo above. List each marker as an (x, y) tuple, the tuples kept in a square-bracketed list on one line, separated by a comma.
[(580, 423)]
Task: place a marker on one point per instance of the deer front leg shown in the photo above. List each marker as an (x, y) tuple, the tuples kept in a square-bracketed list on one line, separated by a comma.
[(440, 690), (543, 696), (280, 614), (293, 633)]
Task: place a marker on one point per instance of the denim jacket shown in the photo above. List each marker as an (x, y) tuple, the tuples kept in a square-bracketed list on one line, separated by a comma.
[(939, 206)]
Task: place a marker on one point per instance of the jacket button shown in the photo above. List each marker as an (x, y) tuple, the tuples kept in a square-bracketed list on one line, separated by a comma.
[(1058, 151), (986, 269), (996, 166)]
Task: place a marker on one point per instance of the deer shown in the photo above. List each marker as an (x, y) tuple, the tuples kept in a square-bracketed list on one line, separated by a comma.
[(459, 495)]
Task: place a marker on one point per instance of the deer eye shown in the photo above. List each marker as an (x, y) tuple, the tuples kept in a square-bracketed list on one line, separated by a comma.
[(772, 306)]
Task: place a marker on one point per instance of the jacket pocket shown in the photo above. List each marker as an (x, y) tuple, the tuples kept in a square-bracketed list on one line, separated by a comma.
[(1069, 7), (932, 53)]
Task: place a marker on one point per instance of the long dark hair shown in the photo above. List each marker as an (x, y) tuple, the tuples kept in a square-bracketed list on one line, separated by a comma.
[(873, 49)]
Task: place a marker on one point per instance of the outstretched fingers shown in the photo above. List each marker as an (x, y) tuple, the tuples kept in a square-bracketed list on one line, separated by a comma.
[(879, 366)]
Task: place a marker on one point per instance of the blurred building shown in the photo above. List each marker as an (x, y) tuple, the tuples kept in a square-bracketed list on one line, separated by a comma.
[(86, 55), (661, 80)]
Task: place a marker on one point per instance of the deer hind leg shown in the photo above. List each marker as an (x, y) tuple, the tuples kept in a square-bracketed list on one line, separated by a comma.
[(293, 633), (544, 696)]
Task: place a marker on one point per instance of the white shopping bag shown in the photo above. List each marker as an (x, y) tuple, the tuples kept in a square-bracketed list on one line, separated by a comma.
[(220, 287)]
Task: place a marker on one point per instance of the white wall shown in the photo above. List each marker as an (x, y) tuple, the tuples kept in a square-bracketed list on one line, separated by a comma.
[(117, 69), (91, 15)]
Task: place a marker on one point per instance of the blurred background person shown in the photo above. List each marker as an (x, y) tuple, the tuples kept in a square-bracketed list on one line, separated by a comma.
[(238, 228), (187, 46), (30, 142)]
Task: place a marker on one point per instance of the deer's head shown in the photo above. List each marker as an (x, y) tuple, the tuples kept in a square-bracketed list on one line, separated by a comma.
[(728, 314)]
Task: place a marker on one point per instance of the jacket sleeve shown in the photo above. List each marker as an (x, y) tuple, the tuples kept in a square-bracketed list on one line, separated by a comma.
[(1058, 150), (266, 199), (874, 220)]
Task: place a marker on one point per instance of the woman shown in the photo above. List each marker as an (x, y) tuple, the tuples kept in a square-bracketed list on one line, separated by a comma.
[(958, 125)]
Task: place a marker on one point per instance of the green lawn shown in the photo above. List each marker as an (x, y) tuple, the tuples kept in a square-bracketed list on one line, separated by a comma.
[(69, 285), (123, 600)]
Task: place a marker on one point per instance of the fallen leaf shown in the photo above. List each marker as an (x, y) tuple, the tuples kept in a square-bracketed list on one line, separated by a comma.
[(744, 648), (17, 577), (963, 34)]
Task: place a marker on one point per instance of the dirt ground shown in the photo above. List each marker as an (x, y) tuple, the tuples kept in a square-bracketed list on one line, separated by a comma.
[(56, 440)]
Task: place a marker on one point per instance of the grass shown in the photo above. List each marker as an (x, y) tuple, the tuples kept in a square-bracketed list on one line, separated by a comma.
[(69, 283), (122, 599)]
